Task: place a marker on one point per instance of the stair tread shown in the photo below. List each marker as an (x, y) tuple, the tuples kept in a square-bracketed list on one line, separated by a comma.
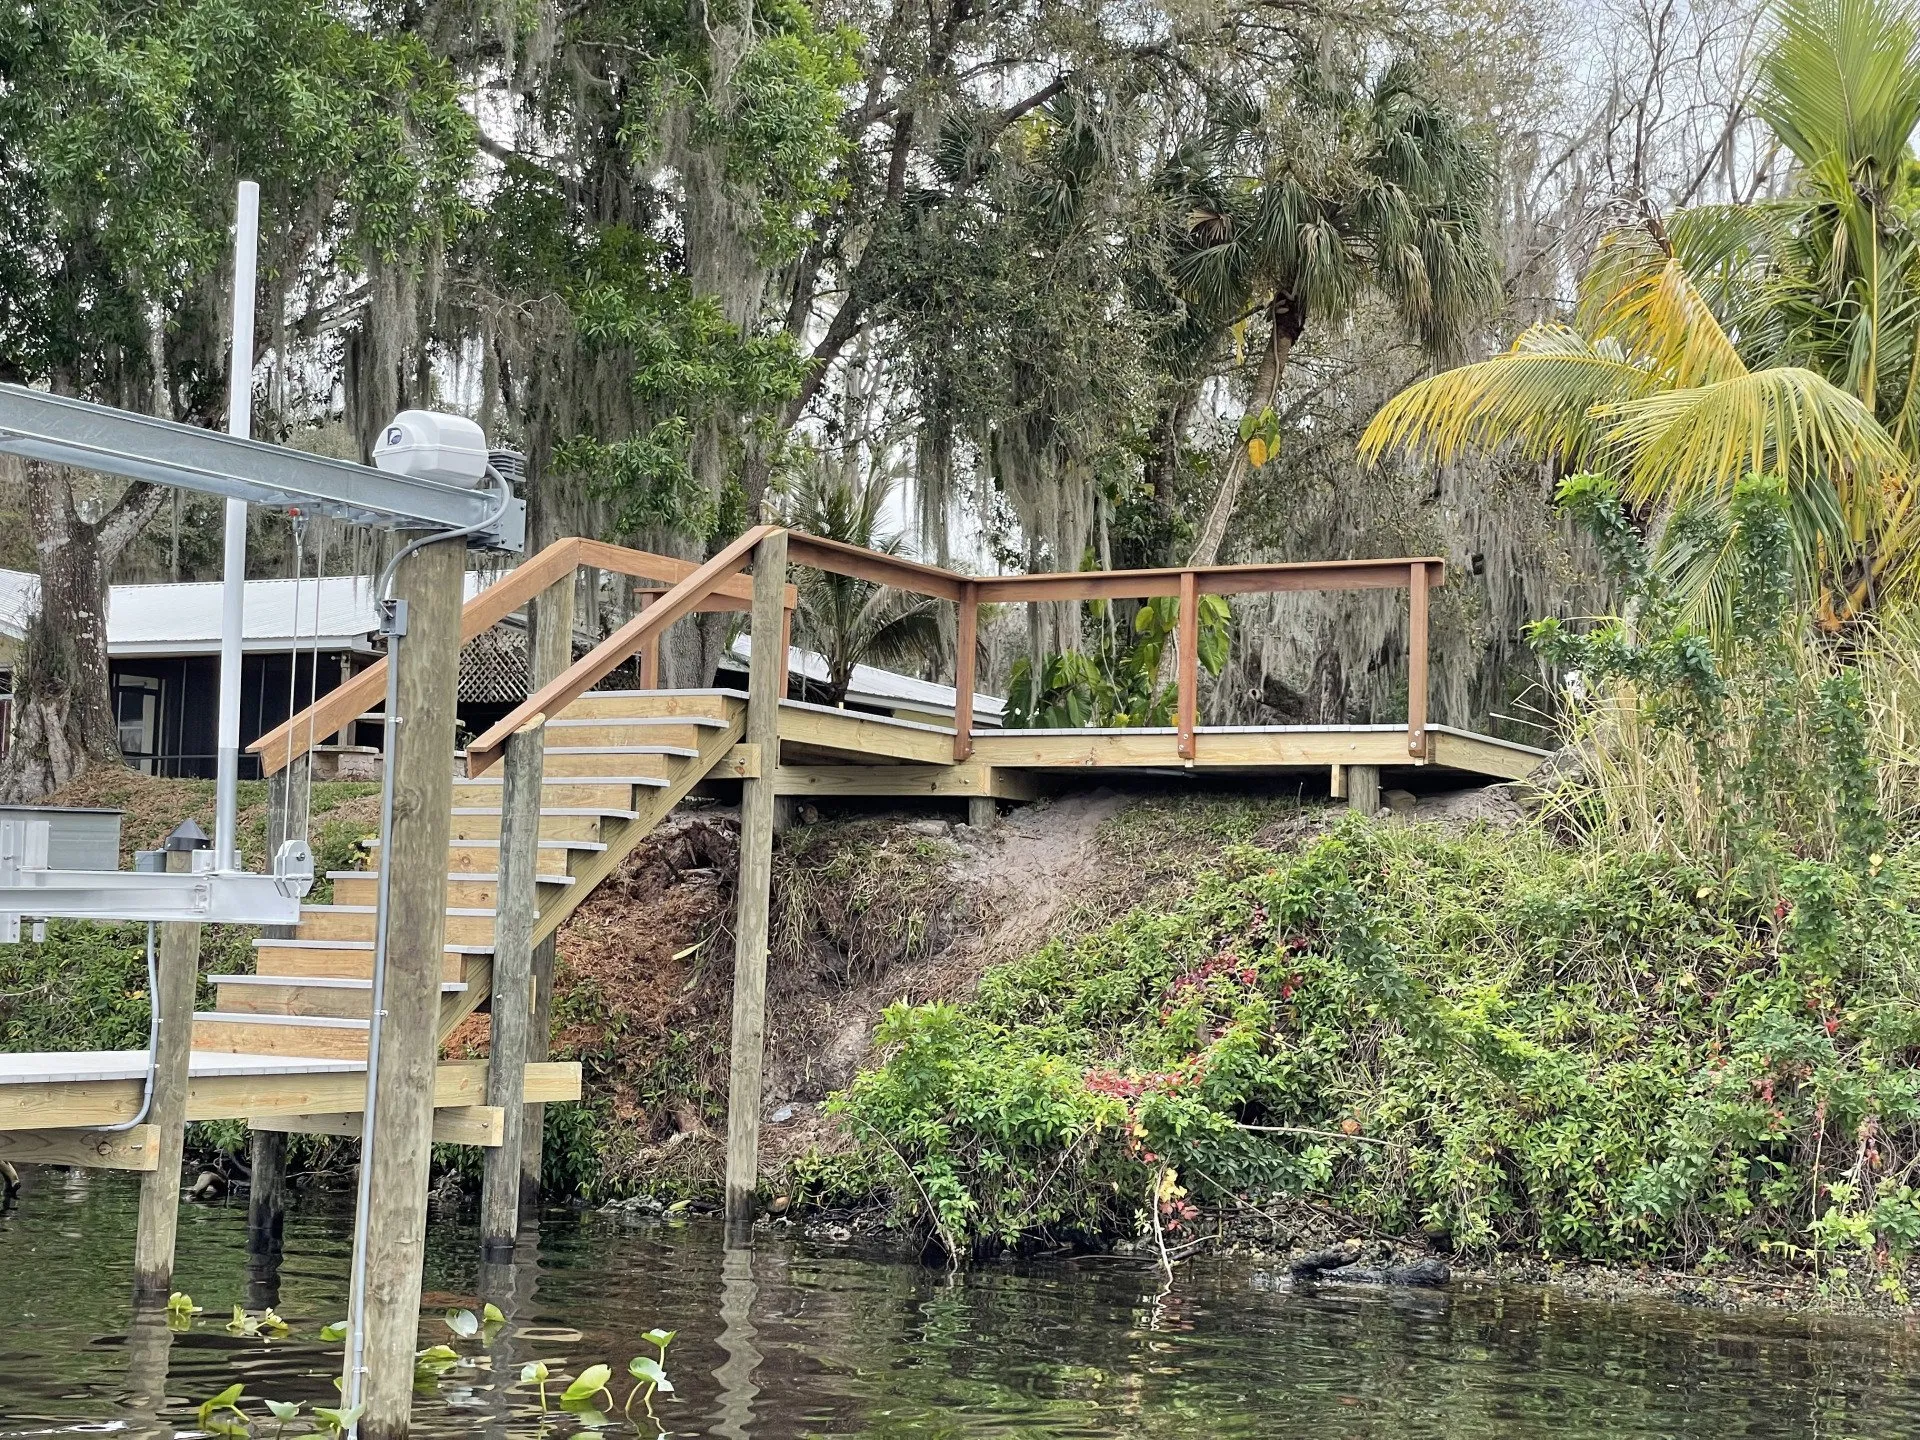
[(362, 945), (656, 781), (570, 810), (544, 844), (322, 982), (711, 721), (247, 1017), (739, 695), (375, 909), (678, 752), (463, 875)]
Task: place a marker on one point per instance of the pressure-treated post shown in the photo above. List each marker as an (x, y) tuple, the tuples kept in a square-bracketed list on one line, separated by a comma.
[(965, 645), (551, 615), (1417, 661), (755, 887), (178, 964), (1188, 660), (649, 658), (515, 911), (399, 1148)]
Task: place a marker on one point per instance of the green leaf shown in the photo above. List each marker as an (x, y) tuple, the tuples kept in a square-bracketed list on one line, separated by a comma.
[(490, 1313), (648, 1371), (534, 1371), (336, 1331), (463, 1323), (284, 1410), (337, 1420), (662, 1338), (434, 1354), (589, 1382)]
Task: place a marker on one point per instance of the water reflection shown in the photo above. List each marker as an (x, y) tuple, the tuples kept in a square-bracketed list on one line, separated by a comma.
[(735, 1373), (792, 1341)]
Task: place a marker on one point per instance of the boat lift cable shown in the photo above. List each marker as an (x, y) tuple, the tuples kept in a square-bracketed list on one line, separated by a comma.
[(394, 620), (153, 1042)]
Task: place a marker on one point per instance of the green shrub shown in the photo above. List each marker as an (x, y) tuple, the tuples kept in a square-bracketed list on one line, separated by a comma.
[(1480, 1037)]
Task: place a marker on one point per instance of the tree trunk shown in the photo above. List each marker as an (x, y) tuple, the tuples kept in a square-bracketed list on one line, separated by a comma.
[(1288, 319), (63, 721)]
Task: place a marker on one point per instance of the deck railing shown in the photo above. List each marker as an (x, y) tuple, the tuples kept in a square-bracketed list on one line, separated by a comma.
[(719, 585)]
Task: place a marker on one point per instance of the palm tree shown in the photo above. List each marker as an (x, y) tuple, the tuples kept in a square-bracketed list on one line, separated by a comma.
[(1385, 193), (847, 621), (1773, 338)]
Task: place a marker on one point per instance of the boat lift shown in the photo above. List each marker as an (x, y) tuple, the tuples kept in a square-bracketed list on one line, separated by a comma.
[(431, 474)]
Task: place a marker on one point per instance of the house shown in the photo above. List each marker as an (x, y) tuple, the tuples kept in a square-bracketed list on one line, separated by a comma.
[(304, 638)]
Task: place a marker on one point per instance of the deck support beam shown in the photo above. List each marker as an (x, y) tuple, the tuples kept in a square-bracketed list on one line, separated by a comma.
[(398, 1152), (755, 890), (178, 966), (550, 619)]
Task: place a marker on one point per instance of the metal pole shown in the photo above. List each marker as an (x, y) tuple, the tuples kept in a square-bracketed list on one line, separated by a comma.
[(246, 238)]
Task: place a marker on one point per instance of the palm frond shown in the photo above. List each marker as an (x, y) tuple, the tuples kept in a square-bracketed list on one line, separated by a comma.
[(1643, 297), (1840, 86), (1784, 421), (1541, 396)]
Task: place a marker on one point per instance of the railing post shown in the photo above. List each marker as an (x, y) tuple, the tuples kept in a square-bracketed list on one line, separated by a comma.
[(1188, 660), (649, 653), (754, 892), (1417, 660), (965, 648), (786, 649)]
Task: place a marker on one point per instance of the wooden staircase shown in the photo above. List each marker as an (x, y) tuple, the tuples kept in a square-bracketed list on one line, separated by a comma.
[(616, 762)]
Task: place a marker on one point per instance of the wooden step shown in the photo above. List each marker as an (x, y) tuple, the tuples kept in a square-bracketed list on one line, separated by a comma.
[(631, 730), (592, 762), (710, 704), (482, 822), (347, 959), (555, 856), (362, 887), (328, 995), (466, 925), (322, 1037), (614, 792)]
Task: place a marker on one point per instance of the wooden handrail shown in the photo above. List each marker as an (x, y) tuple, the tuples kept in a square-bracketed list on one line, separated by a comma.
[(280, 746), (673, 605)]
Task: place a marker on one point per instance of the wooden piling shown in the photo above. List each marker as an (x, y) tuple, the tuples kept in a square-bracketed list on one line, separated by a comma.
[(516, 910), (267, 1195), (1363, 788), (754, 890), (550, 618), (398, 1151), (178, 964)]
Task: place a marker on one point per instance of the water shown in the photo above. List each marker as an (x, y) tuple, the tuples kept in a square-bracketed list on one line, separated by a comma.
[(807, 1340)]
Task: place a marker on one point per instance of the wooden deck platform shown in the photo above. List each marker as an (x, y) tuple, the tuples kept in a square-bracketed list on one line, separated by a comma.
[(825, 752)]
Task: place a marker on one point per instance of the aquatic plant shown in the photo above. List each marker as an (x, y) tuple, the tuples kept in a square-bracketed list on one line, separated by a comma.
[(535, 1372), (650, 1374), (589, 1384)]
